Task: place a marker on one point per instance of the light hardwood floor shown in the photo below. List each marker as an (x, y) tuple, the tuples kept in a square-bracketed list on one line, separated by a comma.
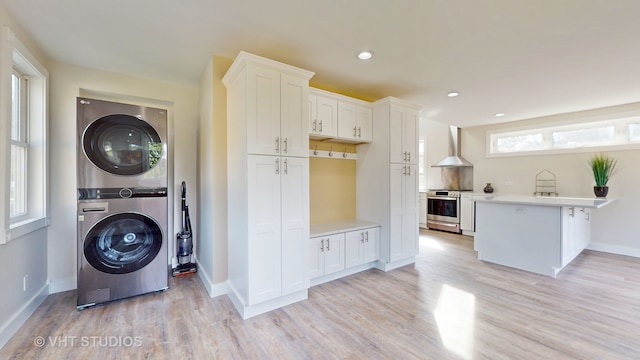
[(448, 305)]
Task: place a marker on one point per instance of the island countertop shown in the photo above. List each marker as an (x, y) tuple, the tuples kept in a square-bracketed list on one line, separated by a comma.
[(556, 201)]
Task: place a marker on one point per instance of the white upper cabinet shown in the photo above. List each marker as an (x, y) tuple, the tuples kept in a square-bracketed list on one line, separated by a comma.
[(294, 130), (276, 108), (323, 116), (339, 117), (403, 141)]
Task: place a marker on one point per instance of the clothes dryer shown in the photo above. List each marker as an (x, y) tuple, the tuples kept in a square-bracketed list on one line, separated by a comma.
[(122, 243), (120, 145)]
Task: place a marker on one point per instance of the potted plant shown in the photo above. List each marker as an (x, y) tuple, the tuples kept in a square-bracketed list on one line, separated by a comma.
[(603, 166)]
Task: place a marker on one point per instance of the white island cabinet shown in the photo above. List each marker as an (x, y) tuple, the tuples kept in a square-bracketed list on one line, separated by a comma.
[(537, 234)]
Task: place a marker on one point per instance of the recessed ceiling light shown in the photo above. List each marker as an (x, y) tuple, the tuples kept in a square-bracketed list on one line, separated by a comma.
[(365, 55), (453, 94), (499, 114)]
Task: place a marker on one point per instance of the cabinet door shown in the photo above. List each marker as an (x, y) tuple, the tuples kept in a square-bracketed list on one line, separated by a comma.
[(353, 248), (397, 175), (371, 248), (347, 115), (294, 117), (333, 253), (364, 121), (397, 152), (263, 111), (403, 141), (316, 257), (327, 116), (410, 135), (294, 177), (264, 220), (467, 216), (410, 212)]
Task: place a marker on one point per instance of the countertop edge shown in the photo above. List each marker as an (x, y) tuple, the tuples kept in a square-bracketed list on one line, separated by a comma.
[(593, 203)]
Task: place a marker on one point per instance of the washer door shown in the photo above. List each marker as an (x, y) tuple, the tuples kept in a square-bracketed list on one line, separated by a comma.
[(123, 243), (122, 145)]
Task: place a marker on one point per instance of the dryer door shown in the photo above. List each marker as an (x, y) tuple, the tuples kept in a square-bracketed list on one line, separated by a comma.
[(122, 145), (123, 243)]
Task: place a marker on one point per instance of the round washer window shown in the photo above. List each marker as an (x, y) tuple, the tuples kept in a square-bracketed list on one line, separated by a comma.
[(123, 243), (122, 145)]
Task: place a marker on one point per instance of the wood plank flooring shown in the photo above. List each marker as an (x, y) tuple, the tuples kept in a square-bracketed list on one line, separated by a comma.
[(448, 305)]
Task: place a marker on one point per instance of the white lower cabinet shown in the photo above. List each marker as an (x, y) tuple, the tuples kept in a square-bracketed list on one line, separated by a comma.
[(342, 248), (327, 255), (361, 247), (467, 214)]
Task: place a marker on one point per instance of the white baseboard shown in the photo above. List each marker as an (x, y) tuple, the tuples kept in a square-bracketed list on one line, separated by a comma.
[(266, 306), (614, 249), (63, 285), (12, 325), (385, 266), (212, 289)]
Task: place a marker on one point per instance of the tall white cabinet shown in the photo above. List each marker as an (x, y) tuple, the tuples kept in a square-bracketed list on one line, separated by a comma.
[(268, 183), (387, 180)]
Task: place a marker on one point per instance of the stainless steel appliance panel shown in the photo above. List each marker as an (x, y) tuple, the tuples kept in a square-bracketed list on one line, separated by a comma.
[(122, 248), (120, 145)]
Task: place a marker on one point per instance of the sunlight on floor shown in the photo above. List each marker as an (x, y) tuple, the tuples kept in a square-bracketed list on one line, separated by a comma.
[(432, 243), (455, 314)]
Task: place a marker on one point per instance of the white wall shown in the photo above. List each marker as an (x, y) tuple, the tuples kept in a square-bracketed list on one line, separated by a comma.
[(615, 227), (22, 256), (68, 82)]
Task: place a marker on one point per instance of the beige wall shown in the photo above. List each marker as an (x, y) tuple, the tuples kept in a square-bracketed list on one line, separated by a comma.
[(332, 184), (211, 248), (615, 227)]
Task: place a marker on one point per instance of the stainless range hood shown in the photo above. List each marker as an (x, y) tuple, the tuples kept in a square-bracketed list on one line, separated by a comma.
[(457, 172), (454, 159)]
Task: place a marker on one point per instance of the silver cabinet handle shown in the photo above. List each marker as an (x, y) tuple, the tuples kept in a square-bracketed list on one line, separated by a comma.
[(314, 124), (286, 167), (285, 145), (328, 243), (277, 166), (362, 237), (408, 170), (359, 131), (409, 153), (277, 144), (354, 131), (320, 125), (322, 245), (367, 235), (404, 156)]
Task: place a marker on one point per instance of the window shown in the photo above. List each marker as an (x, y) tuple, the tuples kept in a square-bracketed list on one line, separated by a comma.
[(618, 131), (19, 148), (23, 86)]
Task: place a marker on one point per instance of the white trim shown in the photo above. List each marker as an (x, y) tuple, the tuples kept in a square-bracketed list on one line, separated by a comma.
[(63, 285), (614, 249), (11, 326), (339, 155), (388, 266), (212, 289), (12, 51)]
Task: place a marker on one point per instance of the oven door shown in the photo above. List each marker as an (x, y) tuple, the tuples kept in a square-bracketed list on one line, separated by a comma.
[(443, 209)]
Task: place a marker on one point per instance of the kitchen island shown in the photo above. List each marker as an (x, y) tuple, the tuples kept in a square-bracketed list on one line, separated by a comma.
[(533, 233)]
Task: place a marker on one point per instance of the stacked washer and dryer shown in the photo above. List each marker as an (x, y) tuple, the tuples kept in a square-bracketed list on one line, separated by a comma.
[(122, 201)]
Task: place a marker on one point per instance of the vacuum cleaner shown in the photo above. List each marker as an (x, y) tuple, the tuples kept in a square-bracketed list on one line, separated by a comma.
[(185, 241)]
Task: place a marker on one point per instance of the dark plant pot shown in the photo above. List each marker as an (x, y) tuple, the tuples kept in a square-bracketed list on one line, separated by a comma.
[(601, 191), (488, 189)]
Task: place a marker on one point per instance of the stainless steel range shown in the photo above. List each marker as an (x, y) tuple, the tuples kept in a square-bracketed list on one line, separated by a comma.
[(443, 210)]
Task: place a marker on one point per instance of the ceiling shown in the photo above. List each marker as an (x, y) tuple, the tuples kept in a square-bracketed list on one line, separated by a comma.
[(523, 58)]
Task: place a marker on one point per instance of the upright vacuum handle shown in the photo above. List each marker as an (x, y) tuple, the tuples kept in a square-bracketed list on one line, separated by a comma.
[(183, 188)]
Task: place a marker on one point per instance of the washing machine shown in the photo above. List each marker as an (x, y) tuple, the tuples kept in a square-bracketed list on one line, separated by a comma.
[(120, 145), (122, 243)]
